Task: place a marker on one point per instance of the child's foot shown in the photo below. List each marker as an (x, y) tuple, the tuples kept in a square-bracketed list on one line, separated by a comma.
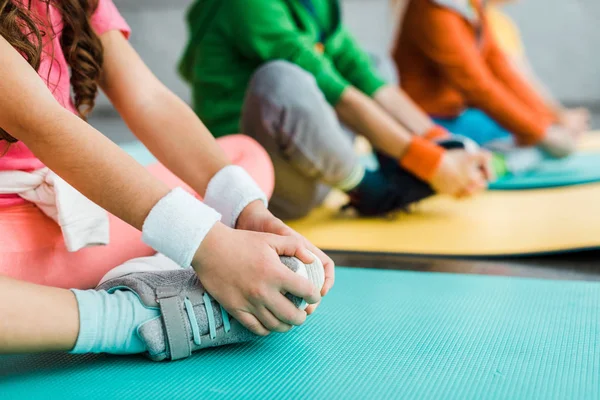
[(398, 192), (376, 195), (509, 159), (187, 318), (402, 188)]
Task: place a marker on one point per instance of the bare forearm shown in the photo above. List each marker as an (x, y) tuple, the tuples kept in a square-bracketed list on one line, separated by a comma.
[(96, 167), (365, 116), (175, 135), (163, 122), (403, 109)]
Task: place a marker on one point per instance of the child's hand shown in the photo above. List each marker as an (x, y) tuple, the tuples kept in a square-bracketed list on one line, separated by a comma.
[(486, 169), (257, 218), (559, 142), (243, 272), (460, 173), (486, 166), (576, 120)]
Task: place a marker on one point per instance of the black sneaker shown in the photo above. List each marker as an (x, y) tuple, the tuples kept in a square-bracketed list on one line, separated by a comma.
[(402, 189)]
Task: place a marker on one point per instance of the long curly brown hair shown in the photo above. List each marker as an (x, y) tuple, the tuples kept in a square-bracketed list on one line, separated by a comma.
[(82, 47)]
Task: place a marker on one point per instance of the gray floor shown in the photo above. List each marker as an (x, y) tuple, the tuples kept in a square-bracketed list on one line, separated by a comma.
[(113, 127), (596, 120)]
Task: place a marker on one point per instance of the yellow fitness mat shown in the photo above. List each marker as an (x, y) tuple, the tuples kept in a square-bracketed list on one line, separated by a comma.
[(492, 224), (590, 142)]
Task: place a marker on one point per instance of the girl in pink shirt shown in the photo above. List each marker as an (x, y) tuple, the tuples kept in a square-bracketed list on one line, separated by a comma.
[(54, 55)]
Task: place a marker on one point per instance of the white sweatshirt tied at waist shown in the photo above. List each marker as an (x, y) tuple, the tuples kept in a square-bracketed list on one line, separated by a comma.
[(83, 223)]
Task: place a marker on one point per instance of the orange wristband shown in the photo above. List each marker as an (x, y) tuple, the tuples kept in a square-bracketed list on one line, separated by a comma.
[(422, 158), (436, 133)]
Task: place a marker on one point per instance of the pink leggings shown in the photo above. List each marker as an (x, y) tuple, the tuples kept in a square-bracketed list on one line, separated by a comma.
[(32, 247)]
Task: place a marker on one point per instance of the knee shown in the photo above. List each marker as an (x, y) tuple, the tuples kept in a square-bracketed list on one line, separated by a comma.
[(281, 73), (285, 84), (240, 146), (245, 151), (250, 155)]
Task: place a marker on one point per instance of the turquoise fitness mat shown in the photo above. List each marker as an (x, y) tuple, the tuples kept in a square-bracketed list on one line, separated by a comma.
[(378, 335), (575, 170)]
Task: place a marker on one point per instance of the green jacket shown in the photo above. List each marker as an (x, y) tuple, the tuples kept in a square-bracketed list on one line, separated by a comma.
[(230, 39)]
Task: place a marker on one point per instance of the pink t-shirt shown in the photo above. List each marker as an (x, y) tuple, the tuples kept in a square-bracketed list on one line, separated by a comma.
[(54, 70)]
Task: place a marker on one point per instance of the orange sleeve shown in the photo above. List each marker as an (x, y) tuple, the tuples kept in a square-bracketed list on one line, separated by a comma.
[(450, 43), (505, 72)]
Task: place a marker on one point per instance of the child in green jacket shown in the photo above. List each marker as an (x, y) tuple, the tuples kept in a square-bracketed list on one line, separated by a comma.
[(289, 74)]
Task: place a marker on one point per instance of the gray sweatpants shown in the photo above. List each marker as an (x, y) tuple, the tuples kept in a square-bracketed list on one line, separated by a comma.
[(286, 112)]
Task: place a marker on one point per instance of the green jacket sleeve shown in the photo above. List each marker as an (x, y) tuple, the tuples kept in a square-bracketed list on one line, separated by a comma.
[(355, 65), (264, 30)]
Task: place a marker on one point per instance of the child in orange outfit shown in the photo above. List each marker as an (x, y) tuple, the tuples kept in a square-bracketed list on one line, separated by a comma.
[(508, 38), (451, 65)]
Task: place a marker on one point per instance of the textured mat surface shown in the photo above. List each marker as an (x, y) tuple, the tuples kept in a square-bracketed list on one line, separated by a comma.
[(578, 169), (581, 168), (495, 223), (380, 334)]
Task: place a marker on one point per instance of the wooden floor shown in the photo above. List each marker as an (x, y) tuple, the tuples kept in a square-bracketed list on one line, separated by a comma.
[(574, 266)]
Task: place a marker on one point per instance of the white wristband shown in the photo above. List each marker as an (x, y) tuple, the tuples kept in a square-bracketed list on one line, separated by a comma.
[(177, 224), (230, 191)]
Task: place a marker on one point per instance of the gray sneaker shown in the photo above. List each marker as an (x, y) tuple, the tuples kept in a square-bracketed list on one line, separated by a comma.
[(190, 318)]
